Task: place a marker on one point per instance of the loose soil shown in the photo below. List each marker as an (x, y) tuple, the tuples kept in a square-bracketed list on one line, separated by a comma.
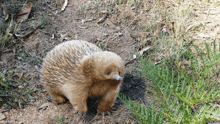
[(24, 62)]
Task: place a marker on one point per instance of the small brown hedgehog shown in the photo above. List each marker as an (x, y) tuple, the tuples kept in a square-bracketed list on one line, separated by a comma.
[(77, 70)]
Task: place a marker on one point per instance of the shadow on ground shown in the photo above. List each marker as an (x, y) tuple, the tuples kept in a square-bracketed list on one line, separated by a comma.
[(133, 87)]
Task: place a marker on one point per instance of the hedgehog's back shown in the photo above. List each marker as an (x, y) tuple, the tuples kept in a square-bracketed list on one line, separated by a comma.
[(73, 50), (60, 63)]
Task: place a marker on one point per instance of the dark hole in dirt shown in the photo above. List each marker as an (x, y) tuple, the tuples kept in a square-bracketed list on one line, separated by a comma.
[(133, 87)]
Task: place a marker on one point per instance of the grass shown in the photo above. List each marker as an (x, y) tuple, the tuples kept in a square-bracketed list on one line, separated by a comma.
[(4, 36), (15, 83), (145, 15), (15, 91), (185, 85), (59, 120), (3, 85), (183, 94), (12, 31)]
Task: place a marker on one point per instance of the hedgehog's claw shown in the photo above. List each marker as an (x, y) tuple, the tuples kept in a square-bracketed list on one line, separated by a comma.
[(109, 113), (105, 113), (81, 114), (75, 112)]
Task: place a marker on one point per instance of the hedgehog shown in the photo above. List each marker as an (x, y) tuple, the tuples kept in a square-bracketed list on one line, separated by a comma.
[(76, 70)]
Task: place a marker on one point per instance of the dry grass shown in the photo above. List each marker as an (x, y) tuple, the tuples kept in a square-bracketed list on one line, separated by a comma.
[(194, 21)]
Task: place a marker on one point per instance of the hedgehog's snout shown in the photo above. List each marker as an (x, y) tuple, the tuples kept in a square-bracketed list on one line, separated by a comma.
[(117, 77)]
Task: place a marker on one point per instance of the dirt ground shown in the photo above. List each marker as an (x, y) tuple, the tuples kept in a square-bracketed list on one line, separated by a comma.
[(84, 20), (26, 60)]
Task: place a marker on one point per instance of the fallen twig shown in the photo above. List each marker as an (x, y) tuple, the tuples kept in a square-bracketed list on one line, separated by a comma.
[(26, 35), (103, 18), (132, 60), (146, 49), (64, 5)]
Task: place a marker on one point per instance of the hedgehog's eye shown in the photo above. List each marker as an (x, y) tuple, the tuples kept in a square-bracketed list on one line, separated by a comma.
[(108, 73), (119, 72)]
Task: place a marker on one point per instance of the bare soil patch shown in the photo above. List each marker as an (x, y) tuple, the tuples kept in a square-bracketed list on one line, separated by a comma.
[(24, 100)]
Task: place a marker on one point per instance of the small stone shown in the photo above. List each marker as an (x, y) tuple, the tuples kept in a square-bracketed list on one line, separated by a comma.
[(134, 57), (20, 87), (83, 21)]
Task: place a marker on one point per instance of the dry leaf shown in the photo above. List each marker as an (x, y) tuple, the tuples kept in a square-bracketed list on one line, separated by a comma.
[(204, 35), (24, 13), (168, 29), (27, 34), (159, 28), (45, 105), (64, 5), (193, 25), (157, 63), (123, 1), (2, 116), (4, 11), (141, 37), (145, 49), (142, 34), (103, 18), (172, 28)]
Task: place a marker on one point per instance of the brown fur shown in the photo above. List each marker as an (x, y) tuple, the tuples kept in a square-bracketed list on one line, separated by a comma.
[(78, 70)]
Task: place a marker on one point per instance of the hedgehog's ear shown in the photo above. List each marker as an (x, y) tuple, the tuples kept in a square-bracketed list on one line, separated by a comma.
[(87, 67)]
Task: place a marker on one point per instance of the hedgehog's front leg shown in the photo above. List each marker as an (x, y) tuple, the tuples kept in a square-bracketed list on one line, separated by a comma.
[(78, 98), (79, 102), (107, 101)]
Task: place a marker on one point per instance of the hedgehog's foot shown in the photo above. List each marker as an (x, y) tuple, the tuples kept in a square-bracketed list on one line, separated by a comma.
[(81, 114), (79, 102), (104, 107), (108, 113), (79, 106), (107, 101), (57, 97)]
